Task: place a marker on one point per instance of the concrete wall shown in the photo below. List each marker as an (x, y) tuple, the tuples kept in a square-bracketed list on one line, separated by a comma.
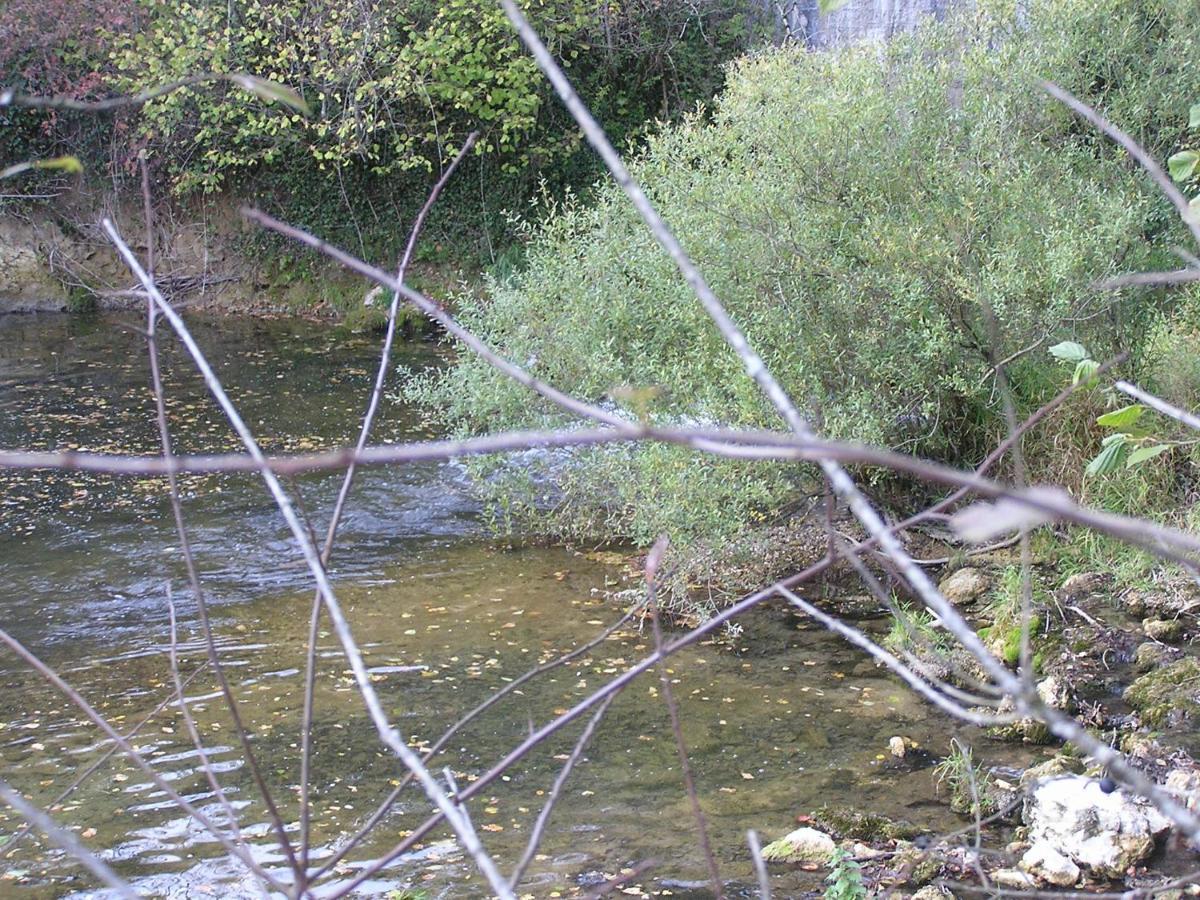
[(857, 20)]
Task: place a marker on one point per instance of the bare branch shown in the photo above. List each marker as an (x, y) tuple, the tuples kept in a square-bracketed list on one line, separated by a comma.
[(67, 841), (760, 866), (842, 484), (385, 356), (11, 844), (539, 826), (668, 695), (438, 745), (1149, 279), (444, 319), (388, 734), (214, 658), (131, 752)]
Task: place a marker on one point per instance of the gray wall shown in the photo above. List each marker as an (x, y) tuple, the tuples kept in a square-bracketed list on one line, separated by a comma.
[(858, 20)]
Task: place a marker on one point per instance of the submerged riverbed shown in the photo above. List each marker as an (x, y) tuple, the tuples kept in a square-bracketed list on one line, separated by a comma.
[(780, 722)]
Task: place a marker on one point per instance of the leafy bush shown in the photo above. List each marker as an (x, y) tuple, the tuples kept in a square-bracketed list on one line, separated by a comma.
[(859, 213), (54, 47), (397, 86), (845, 878)]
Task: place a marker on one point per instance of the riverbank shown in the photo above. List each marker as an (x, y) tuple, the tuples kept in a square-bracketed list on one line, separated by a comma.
[(55, 258)]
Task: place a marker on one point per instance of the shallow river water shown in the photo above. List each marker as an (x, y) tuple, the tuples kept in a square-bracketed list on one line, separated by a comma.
[(777, 722)]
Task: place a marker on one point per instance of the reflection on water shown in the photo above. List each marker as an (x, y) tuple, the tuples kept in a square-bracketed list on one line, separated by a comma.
[(775, 728)]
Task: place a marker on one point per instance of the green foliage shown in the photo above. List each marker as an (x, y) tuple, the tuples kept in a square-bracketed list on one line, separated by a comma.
[(1005, 614), (845, 878), (1135, 440), (396, 87), (81, 301), (965, 780), (914, 631), (860, 214)]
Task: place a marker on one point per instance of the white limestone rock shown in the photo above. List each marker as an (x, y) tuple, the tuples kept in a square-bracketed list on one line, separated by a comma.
[(1102, 833), (804, 845), (1046, 864)]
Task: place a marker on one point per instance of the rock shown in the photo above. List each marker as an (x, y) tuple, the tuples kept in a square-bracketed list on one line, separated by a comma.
[(1046, 864), (914, 865), (1150, 656), (373, 295), (1103, 833), (965, 586), (1081, 584), (897, 747), (1167, 696), (1011, 878), (852, 824), (25, 281), (933, 892), (1055, 692), (1026, 730), (1185, 785), (1061, 764), (804, 845), (1168, 631), (862, 851)]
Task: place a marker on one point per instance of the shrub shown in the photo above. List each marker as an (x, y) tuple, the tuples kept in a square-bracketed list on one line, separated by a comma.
[(858, 213), (397, 86)]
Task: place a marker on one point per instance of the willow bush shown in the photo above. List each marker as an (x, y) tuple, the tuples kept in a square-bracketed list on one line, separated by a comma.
[(860, 213)]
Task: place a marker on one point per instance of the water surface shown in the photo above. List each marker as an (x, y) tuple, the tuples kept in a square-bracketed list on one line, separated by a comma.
[(777, 722)]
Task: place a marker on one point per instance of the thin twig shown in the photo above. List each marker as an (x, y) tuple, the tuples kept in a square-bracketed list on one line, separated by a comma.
[(198, 594), (11, 844), (653, 559), (539, 826), (189, 720), (131, 752), (388, 734), (760, 865), (67, 841), (449, 733), (1149, 279), (444, 319), (335, 518), (1133, 148), (1159, 405)]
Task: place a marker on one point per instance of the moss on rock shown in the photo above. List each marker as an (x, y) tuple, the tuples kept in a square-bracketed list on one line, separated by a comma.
[(846, 823), (1167, 696)]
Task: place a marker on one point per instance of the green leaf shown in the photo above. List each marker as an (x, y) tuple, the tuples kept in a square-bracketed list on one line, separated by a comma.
[(1194, 116), (1114, 452), (1141, 454), (68, 164), (1183, 164), (828, 6), (1085, 371), (271, 91), (1123, 417), (1069, 351)]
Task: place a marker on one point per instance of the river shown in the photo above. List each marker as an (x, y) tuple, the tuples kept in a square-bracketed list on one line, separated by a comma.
[(777, 722)]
